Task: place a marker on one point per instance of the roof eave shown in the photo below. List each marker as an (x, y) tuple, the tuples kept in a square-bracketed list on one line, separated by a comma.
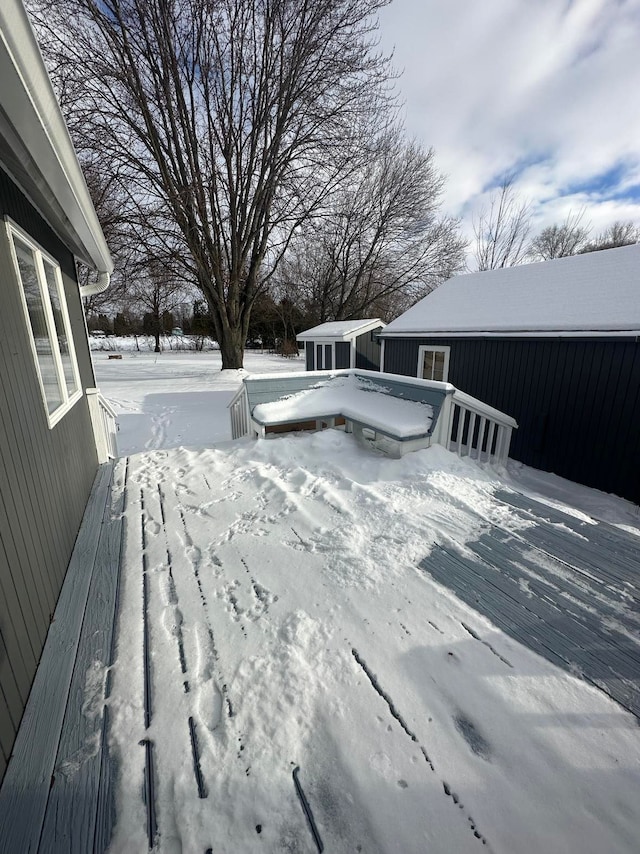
[(35, 145), (513, 333), (310, 335)]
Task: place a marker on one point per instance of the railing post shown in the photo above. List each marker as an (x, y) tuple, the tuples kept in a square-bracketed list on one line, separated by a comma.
[(99, 432), (442, 433)]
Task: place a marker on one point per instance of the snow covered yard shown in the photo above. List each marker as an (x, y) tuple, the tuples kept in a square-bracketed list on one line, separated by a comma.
[(175, 398), (293, 624)]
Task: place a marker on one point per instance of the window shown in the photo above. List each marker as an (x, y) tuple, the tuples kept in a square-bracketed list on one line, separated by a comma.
[(47, 318), (433, 363)]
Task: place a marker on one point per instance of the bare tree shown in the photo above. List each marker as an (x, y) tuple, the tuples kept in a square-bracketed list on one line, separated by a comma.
[(379, 244), (558, 241), (617, 234), (232, 119), (156, 291), (502, 230)]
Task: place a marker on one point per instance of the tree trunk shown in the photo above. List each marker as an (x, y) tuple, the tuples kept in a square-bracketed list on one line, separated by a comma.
[(232, 351)]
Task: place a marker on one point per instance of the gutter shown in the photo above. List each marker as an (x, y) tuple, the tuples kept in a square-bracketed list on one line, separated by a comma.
[(96, 287)]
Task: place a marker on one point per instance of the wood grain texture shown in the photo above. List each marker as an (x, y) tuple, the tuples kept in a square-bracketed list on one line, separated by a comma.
[(70, 817), (561, 587), (25, 790)]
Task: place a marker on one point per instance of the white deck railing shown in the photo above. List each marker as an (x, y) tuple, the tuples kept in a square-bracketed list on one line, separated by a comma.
[(465, 425), (471, 428), (240, 415), (103, 419)]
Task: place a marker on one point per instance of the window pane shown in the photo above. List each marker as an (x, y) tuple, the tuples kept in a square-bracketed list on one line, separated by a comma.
[(438, 368), (37, 318), (427, 369), (327, 357), (61, 331)]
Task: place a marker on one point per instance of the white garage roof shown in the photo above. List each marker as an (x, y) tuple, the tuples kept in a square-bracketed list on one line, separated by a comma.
[(594, 293)]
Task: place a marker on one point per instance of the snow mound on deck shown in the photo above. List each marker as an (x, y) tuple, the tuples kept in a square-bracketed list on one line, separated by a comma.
[(357, 399)]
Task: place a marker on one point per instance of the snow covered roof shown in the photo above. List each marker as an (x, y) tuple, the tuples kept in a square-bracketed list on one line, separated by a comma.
[(342, 329), (35, 147), (598, 292)]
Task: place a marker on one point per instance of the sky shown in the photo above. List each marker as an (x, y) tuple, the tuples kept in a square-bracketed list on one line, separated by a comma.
[(544, 90)]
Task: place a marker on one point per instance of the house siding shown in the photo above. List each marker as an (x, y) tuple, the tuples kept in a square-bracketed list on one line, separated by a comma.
[(45, 474), (309, 349), (576, 401), (343, 354), (368, 352)]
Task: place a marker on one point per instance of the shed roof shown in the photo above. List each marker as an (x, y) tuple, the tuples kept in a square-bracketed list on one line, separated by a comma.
[(598, 292), (35, 147), (342, 329)]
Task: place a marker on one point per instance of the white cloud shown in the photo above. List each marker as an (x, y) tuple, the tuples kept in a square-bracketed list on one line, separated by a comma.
[(548, 89)]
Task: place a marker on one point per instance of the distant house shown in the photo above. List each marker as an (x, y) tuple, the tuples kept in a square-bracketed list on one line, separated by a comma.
[(554, 344), (50, 444), (343, 344)]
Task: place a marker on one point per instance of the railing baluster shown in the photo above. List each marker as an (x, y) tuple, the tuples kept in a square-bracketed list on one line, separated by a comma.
[(461, 419), (492, 430)]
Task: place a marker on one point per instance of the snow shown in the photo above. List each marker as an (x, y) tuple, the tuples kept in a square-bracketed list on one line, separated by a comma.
[(339, 329), (295, 591), (597, 291), (174, 398), (356, 399)]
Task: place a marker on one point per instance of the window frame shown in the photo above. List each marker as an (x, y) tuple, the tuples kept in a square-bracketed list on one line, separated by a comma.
[(41, 256), (434, 348)]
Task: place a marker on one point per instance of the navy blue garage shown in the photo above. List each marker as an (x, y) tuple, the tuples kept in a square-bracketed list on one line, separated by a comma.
[(554, 344)]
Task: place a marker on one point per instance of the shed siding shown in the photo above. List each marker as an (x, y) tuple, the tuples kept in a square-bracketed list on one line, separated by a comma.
[(310, 356), (45, 475), (577, 402), (343, 354), (368, 352)]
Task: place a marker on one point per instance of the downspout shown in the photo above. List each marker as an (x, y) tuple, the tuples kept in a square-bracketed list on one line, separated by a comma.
[(96, 287)]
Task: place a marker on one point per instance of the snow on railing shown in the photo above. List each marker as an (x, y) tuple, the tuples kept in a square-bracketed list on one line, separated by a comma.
[(103, 419), (240, 415), (472, 428)]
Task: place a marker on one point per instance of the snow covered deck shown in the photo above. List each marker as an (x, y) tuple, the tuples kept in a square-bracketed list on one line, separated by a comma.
[(260, 645)]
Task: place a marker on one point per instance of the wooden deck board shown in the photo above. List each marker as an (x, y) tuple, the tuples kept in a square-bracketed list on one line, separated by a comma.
[(25, 789), (565, 588), (601, 548), (582, 625), (70, 818), (542, 584)]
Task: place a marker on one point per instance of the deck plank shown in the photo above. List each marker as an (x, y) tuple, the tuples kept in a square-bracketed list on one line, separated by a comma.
[(602, 549), (70, 818), (542, 596), (555, 641), (25, 789), (569, 595), (566, 587)]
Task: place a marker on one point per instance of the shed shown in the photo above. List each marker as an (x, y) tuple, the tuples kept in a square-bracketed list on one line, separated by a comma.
[(555, 344), (51, 418), (342, 344)]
